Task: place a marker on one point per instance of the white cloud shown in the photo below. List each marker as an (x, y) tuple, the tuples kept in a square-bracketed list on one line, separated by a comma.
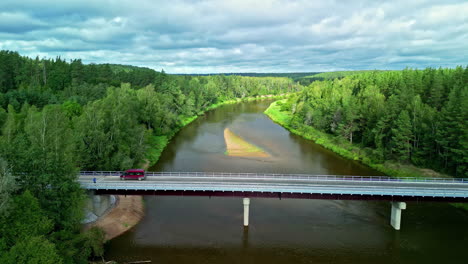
[(447, 13), (240, 35)]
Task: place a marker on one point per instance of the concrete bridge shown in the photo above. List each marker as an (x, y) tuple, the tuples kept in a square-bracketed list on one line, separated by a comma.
[(248, 185)]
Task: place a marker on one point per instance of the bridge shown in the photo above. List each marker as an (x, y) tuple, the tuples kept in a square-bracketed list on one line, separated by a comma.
[(248, 185)]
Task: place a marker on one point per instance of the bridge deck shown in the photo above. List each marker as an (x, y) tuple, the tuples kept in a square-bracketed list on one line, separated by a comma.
[(281, 185)]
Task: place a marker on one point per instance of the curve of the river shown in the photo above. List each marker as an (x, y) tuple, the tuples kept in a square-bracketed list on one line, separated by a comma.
[(204, 230)]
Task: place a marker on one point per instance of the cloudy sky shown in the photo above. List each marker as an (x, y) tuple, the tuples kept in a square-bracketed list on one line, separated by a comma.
[(209, 36)]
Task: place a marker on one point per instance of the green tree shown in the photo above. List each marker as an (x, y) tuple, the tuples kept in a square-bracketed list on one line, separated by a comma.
[(424, 120), (109, 132), (95, 238), (349, 123), (13, 143), (7, 186), (453, 133), (401, 137), (3, 114), (71, 109), (436, 91), (51, 174), (150, 107), (33, 250), (25, 219)]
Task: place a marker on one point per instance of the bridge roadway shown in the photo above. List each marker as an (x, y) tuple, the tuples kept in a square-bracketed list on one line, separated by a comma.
[(281, 186), (248, 185)]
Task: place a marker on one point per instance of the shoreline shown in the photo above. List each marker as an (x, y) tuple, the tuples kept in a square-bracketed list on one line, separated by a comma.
[(349, 151), (125, 214), (160, 142), (129, 210)]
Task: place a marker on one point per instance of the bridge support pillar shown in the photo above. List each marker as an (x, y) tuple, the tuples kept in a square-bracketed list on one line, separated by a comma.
[(395, 219), (246, 211), (96, 203)]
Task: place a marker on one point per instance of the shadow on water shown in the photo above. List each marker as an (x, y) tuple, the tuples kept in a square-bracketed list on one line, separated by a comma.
[(209, 230)]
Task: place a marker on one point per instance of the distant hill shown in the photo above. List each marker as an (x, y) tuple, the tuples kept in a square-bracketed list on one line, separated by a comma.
[(116, 68), (306, 80), (293, 75), (335, 74)]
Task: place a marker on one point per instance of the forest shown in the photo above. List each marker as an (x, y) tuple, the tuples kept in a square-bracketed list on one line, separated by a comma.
[(295, 76), (59, 117), (416, 117)]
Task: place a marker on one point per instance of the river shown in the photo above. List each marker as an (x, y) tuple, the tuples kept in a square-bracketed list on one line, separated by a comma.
[(209, 230)]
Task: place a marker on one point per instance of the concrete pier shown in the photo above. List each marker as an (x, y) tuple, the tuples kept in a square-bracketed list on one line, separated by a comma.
[(96, 206), (96, 203), (246, 211), (395, 219)]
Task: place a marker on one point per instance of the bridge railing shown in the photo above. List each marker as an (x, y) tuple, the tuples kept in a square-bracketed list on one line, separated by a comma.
[(281, 176)]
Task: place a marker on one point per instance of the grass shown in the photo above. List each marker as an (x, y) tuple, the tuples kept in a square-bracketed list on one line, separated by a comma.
[(463, 206), (157, 145)]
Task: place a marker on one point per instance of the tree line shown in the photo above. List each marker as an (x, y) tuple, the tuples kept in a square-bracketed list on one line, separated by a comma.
[(414, 117), (59, 117)]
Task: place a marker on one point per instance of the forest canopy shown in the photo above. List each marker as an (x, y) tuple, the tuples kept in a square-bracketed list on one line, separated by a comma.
[(412, 116), (59, 117)]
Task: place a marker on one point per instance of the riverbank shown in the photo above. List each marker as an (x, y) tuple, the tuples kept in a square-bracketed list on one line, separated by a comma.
[(129, 209), (159, 143), (126, 213), (347, 150)]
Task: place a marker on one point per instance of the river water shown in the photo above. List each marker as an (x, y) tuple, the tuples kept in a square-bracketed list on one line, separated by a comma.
[(209, 230)]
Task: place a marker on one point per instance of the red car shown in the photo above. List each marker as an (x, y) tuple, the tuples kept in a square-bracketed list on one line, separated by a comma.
[(133, 174)]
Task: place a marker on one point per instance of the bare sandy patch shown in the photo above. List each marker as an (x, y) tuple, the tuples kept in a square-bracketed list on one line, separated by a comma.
[(127, 212), (238, 147)]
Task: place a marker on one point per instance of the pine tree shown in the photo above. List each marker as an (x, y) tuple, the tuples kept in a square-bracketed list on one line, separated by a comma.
[(437, 91), (401, 137), (7, 186), (453, 132)]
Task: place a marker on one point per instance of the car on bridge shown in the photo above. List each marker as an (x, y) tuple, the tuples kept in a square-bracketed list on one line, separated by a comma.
[(138, 174)]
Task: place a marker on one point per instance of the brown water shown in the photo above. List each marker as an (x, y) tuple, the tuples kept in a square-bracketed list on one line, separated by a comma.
[(204, 230)]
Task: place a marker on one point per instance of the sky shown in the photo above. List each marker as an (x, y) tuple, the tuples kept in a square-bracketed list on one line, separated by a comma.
[(216, 36)]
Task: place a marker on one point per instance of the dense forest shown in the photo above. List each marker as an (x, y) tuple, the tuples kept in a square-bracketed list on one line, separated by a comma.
[(414, 117), (303, 78), (295, 76), (321, 76), (59, 117)]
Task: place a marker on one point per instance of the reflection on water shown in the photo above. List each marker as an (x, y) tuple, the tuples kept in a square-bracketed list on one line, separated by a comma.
[(209, 230)]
